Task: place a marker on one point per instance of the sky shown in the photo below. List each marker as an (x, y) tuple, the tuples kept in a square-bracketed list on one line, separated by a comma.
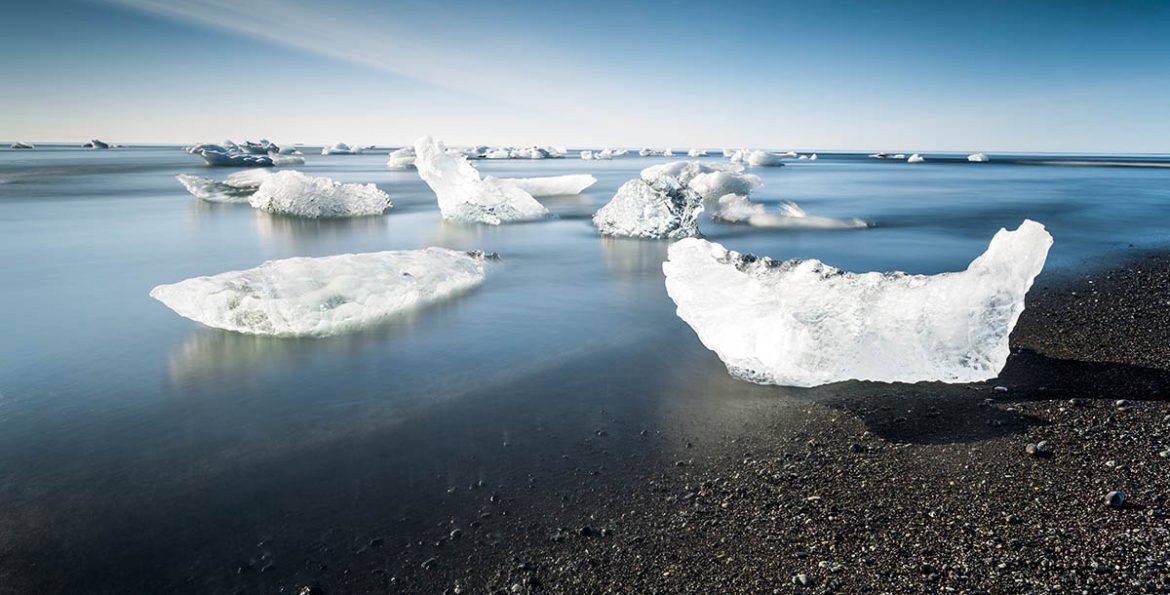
[(1066, 76)]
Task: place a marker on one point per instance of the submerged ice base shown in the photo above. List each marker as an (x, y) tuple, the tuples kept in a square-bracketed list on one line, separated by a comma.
[(293, 193), (737, 208), (463, 196), (550, 185), (804, 323), (319, 297)]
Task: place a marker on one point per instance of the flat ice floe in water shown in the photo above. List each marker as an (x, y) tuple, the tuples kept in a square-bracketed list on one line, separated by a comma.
[(550, 185), (463, 196), (804, 323), (320, 297), (736, 208), (294, 193), (658, 209)]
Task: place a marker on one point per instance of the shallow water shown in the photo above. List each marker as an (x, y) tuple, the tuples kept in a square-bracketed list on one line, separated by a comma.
[(121, 421)]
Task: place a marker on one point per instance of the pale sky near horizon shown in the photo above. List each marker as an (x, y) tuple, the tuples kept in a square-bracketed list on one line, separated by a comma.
[(907, 76)]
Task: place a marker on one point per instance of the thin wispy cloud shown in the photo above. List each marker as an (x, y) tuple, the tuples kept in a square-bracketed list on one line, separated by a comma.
[(396, 43)]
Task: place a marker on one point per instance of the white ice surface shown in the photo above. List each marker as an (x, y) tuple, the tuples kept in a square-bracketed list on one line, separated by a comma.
[(763, 159), (463, 196), (978, 157), (401, 158), (712, 185), (915, 158), (293, 193), (804, 323), (319, 297), (662, 208)]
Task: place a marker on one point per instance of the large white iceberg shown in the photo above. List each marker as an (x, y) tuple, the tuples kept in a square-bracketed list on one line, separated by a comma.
[(401, 158), (293, 193), (737, 208), (660, 209), (549, 185), (319, 297), (463, 196), (978, 158), (804, 323)]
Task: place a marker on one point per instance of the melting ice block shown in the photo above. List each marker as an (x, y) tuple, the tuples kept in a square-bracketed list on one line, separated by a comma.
[(463, 196), (663, 208), (293, 193), (804, 323), (22, 145), (915, 158), (978, 157), (319, 297), (550, 185), (736, 208)]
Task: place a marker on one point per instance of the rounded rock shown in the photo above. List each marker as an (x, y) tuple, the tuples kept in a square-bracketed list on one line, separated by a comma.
[(1115, 499)]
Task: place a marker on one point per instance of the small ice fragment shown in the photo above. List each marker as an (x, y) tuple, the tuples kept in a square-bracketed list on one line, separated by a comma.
[(587, 155), (463, 196), (293, 193), (320, 297), (915, 158), (96, 144), (763, 159), (978, 158), (22, 145), (662, 208), (812, 157), (550, 185), (340, 149), (804, 323), (696, 153)]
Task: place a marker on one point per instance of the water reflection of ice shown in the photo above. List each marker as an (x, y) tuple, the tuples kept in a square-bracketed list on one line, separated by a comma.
[(297, 229)]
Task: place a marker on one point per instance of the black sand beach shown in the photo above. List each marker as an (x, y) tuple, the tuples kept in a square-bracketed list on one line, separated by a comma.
[(856, 487)]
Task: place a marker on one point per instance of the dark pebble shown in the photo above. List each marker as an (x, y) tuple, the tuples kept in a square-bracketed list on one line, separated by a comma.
[(1115, 499)]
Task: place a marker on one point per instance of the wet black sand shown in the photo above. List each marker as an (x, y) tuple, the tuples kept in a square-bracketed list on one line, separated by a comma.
[(854, 487)]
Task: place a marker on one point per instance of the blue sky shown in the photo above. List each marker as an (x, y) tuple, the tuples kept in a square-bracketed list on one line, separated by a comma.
[(913, 76)]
